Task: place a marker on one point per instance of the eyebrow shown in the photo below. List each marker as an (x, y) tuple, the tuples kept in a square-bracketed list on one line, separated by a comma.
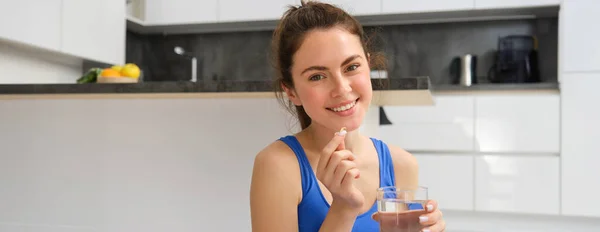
[(321, 68)]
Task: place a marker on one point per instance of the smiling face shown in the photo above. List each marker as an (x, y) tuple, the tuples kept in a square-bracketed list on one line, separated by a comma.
[(331, 78)]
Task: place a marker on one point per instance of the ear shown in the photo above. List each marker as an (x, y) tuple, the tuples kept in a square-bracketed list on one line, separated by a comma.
[(369, 58), (292, 95)]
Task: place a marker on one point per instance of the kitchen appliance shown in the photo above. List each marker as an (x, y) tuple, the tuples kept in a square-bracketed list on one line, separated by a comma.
[(515, 61), (463, 70)]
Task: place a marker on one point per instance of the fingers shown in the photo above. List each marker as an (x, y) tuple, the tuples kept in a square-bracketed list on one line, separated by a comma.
[(431, 205), (341, 170), (349, 178), (440, 226), (328, 150), (338, 160), (432, 218)]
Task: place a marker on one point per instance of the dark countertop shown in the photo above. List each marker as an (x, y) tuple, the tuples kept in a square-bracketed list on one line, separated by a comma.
[(497, 87), (415, 83)]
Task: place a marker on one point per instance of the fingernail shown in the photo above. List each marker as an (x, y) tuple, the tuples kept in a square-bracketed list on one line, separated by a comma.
[(423, 218), (426, 230), (429, 207)]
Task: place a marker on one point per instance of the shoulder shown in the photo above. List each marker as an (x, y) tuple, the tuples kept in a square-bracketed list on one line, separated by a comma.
[(403, 158), (275, 187), (276, 155), (406, 166), (276, 166)]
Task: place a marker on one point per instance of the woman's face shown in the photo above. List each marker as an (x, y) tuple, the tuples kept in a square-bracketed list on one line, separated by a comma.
[(332, 78)]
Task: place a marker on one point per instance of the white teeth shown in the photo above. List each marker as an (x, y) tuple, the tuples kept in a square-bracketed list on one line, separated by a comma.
[(345, 107)]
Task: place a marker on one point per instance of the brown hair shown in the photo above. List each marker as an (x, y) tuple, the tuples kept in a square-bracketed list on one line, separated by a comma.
[(289, 34)]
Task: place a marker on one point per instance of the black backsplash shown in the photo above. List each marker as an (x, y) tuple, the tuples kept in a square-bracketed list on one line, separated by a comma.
[(411, 50)]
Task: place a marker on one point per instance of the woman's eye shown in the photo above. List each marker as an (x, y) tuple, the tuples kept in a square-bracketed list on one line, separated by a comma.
[(352, 67), (316, 77)]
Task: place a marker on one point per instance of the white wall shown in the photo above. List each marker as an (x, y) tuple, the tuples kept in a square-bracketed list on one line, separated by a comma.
[(132, 165), (20, 64)]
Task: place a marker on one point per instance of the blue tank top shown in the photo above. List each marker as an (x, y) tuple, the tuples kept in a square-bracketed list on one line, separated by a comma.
[(314, 207)]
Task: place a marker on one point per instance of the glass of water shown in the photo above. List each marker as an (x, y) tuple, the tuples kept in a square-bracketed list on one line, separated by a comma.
[(399, 208)]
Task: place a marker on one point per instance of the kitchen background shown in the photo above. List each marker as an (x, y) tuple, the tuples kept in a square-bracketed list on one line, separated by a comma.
[(412, 50), (499, 158)]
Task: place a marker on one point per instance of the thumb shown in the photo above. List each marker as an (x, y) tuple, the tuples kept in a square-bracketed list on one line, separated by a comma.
[(375, 216), (342, 145)]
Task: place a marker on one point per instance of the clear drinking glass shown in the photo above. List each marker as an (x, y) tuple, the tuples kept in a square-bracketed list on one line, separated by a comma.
[(398, 209)]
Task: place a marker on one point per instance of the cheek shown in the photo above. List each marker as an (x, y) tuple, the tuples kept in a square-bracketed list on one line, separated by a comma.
[(363, 84), (311, 97)]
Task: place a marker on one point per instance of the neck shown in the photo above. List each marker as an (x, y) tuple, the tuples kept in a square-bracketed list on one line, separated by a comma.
[(319, 136)]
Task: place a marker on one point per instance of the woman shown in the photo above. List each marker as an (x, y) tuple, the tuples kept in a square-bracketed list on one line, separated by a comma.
[(324, 179)]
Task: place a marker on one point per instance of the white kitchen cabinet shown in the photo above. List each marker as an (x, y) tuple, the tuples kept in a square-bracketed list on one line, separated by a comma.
[(161, 12), (32, 22), (492, 4), (449, 179), (513, 184), (580, 154), (445, 126), (579, 50), (413, 6), (358, 7), (244, 10), (518, 123), (94, 30)]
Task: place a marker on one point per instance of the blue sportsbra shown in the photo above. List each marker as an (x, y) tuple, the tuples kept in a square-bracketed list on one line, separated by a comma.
[(314, 207)]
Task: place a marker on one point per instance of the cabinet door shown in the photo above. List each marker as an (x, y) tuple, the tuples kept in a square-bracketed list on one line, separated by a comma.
[(579, 47), (445, 126), (449, 179), (358, 7), (161, 12), (32, 22), (488, 4), (244, 10), (413, 6), (517, 184), (518, 123), (95, 30), (580, 153)]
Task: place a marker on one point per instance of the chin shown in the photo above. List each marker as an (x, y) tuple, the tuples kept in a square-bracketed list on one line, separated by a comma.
[(352, 122), (352, 126)]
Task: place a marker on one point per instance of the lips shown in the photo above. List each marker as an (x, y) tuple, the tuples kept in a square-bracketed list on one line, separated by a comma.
[(344, 106)]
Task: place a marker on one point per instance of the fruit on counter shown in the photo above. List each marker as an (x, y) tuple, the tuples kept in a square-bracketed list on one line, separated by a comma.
[(117, 68), (109, 72), (130, 70), (90, 76)]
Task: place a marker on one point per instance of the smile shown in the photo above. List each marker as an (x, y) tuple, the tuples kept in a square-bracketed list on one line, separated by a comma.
[(344, 107)]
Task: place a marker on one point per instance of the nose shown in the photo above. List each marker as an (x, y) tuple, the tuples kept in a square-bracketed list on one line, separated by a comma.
[(341, 86)]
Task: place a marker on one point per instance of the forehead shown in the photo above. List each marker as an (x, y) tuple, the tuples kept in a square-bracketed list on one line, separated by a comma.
[(324, 46)]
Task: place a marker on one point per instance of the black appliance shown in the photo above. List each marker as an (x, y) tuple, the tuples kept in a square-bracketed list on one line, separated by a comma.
[(515, 61)]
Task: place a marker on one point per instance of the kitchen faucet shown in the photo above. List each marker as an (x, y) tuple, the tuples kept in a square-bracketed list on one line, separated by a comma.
[(180, 51)]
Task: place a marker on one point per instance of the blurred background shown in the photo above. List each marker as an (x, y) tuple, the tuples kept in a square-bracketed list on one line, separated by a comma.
[(507, 146)]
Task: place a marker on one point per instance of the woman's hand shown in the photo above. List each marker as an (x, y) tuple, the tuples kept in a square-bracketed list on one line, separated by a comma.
[(432, 220), (337, 171)]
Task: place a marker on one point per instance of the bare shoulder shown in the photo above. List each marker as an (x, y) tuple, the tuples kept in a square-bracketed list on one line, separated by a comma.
[(402, 158), (276, 162), (406, 167), (275, 189), (276, 157)]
